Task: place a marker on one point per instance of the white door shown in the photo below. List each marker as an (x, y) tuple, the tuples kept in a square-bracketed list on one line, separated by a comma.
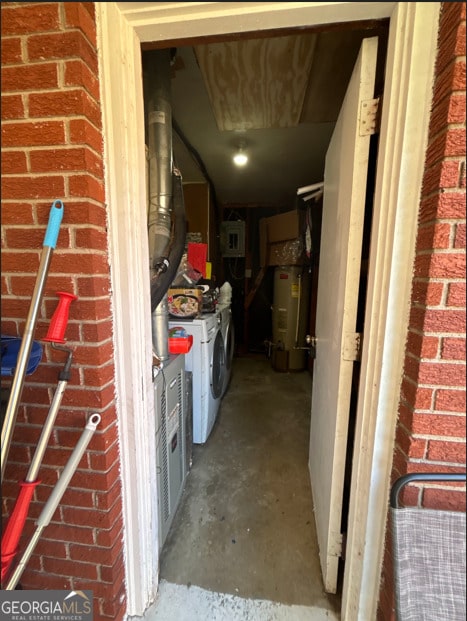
[(338, 283)]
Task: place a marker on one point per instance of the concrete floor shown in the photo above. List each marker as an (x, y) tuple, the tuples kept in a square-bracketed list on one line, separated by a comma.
[(244, 529)]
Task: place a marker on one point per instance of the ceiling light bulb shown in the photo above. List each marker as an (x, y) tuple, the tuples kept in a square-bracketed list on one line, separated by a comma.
[(240, 159)]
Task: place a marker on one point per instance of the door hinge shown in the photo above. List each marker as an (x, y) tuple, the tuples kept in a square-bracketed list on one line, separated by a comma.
[(352, 346), (369, 117)]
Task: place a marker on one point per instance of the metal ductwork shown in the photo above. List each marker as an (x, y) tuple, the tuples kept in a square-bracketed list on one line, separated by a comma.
[(159, 138), (166, 211)]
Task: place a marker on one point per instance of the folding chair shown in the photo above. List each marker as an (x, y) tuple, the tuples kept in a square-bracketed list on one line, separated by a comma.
[(429, 557)]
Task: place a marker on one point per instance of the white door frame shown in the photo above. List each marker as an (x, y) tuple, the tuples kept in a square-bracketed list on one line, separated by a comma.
[(412, 44)]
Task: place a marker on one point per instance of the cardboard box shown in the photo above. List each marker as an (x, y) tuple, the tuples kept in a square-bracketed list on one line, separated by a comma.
[(185, 302), (283, 226), (289, 252)]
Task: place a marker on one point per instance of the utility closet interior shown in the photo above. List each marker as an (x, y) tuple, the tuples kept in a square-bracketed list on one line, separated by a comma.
[(235, 247)]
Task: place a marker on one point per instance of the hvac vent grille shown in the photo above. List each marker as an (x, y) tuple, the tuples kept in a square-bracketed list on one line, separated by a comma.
[(181, 421), (170, 415), (165, 468)]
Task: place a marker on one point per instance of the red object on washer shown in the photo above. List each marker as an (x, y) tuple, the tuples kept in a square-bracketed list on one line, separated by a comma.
[(181, 344)]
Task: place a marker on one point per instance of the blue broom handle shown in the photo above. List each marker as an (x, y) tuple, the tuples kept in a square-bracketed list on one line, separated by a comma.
[(53, 227)]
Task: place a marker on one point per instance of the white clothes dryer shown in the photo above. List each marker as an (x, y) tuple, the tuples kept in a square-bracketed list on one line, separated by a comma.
[(206, 362), (228, 335)]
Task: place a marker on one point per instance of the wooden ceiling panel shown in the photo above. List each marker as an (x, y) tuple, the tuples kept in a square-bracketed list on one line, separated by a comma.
[(257, 83)]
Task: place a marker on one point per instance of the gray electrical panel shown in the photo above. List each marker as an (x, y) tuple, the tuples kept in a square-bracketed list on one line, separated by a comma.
[(232, 238), (171, 442)]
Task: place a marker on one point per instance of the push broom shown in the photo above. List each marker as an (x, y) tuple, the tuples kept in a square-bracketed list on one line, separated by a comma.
[(15, 525), (50, 241)]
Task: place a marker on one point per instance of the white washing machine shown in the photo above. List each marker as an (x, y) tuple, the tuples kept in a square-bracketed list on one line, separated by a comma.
[(206, 362), (228, 335)]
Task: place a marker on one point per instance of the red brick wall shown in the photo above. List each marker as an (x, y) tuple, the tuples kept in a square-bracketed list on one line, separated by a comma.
[(52, 149), (431, 430)]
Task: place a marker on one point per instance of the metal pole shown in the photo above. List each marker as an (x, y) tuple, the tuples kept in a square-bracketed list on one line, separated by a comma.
[(55, 496), (50, 240), (15, 525), (50, 420)]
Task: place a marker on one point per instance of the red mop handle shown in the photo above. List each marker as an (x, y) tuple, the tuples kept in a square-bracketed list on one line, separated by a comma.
[(60, 318), (15, 525)]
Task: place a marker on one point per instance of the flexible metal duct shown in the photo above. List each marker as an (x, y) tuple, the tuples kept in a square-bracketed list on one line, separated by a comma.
[(166, 242), (160, 283), (159, 139)]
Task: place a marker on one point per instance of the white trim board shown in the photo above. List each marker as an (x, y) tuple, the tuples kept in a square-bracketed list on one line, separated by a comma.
[(409, 76), (125, 179), (401, 157), (165, 21)]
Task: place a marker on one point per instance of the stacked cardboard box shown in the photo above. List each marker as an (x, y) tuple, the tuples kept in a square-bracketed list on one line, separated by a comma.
[(281, 240), (184, 302)]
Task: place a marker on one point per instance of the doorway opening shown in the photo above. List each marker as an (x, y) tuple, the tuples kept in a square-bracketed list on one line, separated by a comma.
[(236, 269), (404, 130)]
